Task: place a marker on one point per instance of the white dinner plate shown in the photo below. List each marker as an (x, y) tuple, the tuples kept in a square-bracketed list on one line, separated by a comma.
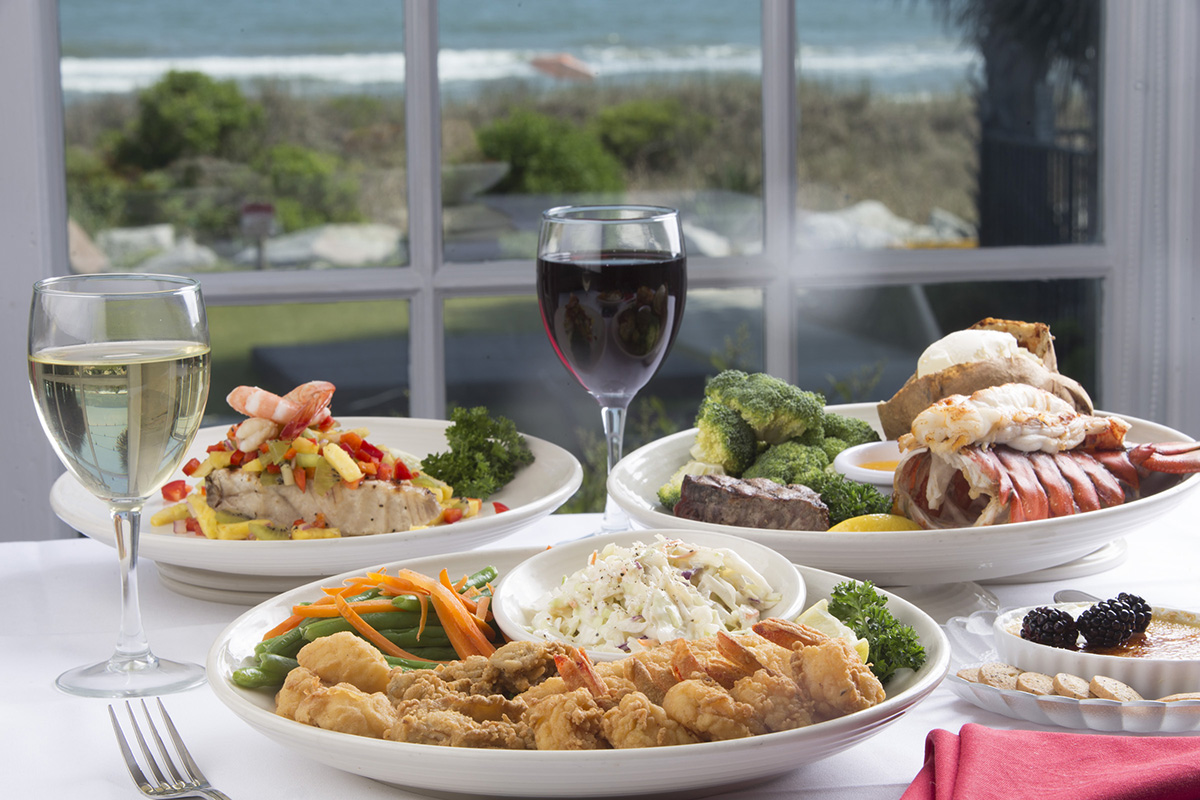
[(237, 566), (898, 558), (682, 769), (972, 642)]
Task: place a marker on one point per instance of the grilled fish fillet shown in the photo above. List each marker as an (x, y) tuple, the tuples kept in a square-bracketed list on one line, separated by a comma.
[(373, 507)]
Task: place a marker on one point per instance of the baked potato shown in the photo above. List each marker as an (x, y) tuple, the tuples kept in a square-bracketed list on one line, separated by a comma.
[(918, 393)]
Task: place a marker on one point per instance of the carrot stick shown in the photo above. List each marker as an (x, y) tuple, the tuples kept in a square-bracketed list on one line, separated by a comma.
[(444, 579), (461, 627), (372, 635), (424, 614), (325, 610), (283, 627)]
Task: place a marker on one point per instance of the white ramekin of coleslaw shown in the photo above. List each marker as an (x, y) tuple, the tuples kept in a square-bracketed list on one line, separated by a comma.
[(617, 594)]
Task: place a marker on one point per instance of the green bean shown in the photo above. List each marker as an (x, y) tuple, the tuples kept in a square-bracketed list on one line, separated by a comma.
[(369, 594), (407, 663), (408, 637), (285, 644), (434, 653), (254, 678), (277, 665), (407, 602), (381, 620), (481, 578)]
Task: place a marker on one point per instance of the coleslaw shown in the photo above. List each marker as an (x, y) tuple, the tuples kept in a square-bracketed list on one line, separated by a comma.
[(628, 599)]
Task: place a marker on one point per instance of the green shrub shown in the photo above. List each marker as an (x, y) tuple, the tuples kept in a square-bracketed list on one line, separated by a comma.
[(308, 187), (651, 134), (547, 155), (95, 195), (189, 114)]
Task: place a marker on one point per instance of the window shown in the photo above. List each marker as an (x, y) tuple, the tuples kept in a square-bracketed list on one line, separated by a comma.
[(1128, 264)]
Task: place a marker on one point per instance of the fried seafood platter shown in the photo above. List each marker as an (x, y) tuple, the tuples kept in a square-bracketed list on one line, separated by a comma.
[(709, 713)]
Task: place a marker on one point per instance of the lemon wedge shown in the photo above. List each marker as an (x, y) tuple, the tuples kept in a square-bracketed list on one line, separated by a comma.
[(818, 617), (876, 522)]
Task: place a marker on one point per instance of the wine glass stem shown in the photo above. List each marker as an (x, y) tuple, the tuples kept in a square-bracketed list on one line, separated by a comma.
[(132, 644), (615, 518)]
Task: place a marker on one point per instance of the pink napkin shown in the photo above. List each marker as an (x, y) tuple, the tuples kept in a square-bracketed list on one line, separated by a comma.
[(983, 763)]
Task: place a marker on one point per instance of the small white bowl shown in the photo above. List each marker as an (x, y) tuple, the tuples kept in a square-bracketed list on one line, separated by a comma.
[(850, 462), (518, 593), (1152, 678)]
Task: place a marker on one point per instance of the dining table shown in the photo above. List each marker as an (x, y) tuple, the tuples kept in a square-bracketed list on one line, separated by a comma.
[(65, 612)]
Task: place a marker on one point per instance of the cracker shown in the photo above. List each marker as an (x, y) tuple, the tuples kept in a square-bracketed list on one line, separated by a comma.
[(1113, 689), (1035, 683), (1172, 698), (1069, 685), (970, 674), (1001, 676)]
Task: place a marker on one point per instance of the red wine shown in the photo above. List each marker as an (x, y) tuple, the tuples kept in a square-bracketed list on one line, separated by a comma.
[(612, 316)]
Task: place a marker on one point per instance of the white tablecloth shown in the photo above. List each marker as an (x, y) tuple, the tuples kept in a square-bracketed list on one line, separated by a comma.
[(63, 599)]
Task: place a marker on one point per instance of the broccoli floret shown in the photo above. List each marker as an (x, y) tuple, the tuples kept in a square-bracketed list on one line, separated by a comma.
[(723, 438), (846, 498), (813, 436), (832, 446), (776, 410), (788, 462), (668, 493), (850, 430)]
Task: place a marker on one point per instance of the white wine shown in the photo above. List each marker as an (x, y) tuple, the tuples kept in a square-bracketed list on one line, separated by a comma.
[(121, 415)]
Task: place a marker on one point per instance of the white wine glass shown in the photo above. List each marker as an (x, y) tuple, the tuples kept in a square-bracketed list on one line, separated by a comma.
[(119, 369), (611, 286)]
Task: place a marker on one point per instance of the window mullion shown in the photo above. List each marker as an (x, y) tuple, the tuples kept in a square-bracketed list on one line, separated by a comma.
[(779, 181), (426, 379)]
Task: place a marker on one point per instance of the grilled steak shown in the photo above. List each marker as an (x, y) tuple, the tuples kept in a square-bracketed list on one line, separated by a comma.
[(372, 507), (751, 503)]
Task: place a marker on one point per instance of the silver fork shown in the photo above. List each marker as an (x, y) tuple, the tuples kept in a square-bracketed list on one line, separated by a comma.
[(187, 781)]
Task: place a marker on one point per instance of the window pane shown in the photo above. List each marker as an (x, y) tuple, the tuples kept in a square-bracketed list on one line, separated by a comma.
[(947, 123), (498, 356), (546, 103), (361, 348), (226, 135), (857, 345)]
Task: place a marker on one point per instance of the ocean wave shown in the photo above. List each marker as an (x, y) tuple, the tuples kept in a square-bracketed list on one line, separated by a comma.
[(118, 75)]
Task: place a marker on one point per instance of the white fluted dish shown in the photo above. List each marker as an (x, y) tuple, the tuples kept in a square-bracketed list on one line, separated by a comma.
[(972, 643), (1150, 677), (898, 558), (682, 770)]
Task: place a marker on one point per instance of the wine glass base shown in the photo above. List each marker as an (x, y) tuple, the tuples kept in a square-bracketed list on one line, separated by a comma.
[(125, 677)]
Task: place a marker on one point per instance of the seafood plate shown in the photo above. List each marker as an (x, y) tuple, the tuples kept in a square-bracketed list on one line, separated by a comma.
[(251, 571), (896, 558), (609, 773)]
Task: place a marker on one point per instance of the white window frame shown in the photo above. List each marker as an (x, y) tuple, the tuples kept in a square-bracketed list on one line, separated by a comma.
[(1150, 199)]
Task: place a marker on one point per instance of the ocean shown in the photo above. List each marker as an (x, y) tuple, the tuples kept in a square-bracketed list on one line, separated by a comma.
[(897, 47)]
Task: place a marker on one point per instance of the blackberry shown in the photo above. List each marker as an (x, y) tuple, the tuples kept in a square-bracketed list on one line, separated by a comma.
[(1050, 626), (1141, 610), (1106, 624)]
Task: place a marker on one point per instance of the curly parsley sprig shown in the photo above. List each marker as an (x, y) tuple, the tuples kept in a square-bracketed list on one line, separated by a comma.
[(484, 453), (894, 645)]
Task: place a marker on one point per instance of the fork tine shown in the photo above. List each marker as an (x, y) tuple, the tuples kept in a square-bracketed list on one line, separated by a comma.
[(168, 762), (189, 763), (141, 740), (135, 771)]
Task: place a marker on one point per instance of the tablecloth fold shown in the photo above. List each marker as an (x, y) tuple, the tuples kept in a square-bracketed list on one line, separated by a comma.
[(980, 763)]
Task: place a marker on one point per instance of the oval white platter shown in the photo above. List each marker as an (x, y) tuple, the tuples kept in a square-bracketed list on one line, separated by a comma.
[(900, 558), (251, 567), (596, 773), (972, 642)]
